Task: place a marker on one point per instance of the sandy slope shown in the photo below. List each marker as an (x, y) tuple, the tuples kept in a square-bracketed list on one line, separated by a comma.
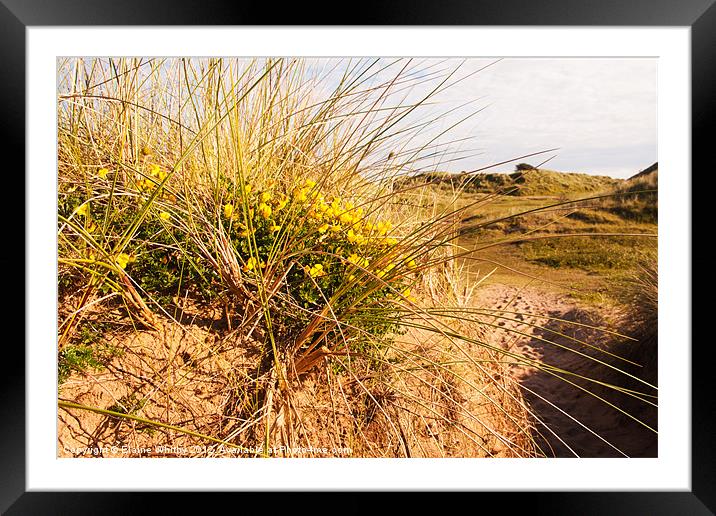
[(185, 377), (553, 401)]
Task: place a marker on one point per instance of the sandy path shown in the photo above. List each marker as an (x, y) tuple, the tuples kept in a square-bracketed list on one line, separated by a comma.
[(550, 397)]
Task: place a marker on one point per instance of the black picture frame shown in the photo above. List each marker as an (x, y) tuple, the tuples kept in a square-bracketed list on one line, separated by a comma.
[(17, 15)]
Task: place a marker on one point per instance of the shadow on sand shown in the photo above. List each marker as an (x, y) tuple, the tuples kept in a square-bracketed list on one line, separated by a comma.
[(556, 403)]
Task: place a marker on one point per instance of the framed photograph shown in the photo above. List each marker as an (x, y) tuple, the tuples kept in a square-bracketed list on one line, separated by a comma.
[(423, 253)]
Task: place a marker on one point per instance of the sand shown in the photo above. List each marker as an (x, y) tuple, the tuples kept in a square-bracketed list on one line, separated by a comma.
[(571, 422)]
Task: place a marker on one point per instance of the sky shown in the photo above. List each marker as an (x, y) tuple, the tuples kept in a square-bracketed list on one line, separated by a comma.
[(601, 113)]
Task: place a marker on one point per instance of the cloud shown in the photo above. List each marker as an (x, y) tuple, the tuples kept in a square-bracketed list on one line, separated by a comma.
[(600, 112)]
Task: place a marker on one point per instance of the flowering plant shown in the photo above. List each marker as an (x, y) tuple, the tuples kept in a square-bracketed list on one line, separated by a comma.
[(331, 263)]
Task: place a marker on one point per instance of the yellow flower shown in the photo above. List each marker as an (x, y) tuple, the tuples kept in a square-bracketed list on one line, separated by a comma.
[(145, 184), (102, 172), (245, 231), (248, 187), (82, 210), (300, 195), (310, 183), (357, 260), (383, 227), (123, 259), (323, 228), (345, 218), (265, 197), (282, 203), (265, 210), (146, 151), (316, 271), (353, 238), (391, 241), (228, 210), (156, 171), (412, 264), (336, 228), (275, 228), (369, 226), (164, 215), (252, 263)]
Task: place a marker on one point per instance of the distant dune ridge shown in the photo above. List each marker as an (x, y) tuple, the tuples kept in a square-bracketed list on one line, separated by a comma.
[(648, 170), (524, 182)]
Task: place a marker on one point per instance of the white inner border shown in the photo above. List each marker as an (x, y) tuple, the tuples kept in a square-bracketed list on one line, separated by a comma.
[(671, 471)]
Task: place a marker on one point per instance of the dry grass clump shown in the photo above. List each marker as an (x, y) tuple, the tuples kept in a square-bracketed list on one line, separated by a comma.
[(640, 321)]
